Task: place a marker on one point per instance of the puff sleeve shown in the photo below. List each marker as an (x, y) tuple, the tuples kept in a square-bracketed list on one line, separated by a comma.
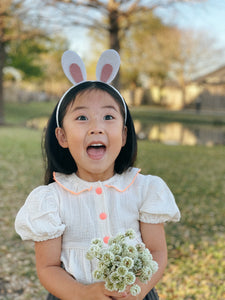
[(158, 204), (38, 219)]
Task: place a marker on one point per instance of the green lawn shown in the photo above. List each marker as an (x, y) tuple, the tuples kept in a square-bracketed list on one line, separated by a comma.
[(196, 244), (20, 113)]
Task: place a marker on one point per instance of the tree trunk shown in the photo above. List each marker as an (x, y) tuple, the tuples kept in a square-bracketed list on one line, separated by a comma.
[(114, 38), (2, 63), (183, 91)]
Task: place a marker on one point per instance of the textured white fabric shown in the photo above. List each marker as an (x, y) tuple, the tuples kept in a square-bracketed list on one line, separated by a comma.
[(72, 58), (111, 57), (72, 207)]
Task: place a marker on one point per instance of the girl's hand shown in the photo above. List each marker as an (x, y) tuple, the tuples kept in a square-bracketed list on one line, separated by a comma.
[(97, 291), (130, 297)]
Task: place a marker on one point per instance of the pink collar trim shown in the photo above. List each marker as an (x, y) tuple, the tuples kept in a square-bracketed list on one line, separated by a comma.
[(68, 190), (73, 184)]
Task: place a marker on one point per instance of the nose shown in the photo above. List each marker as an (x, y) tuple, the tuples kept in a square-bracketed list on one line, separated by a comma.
[(96, 126), (95, 131)]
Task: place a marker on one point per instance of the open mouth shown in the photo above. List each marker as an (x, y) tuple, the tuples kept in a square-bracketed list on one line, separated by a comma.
[(96, 151)]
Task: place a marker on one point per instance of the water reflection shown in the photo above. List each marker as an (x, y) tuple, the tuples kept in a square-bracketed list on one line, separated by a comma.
[(180, 134)]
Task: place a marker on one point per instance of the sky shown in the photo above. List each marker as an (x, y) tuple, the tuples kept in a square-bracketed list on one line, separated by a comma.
[(207, 16)]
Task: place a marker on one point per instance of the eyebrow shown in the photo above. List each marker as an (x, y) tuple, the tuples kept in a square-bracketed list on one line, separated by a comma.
[(110, 107), (79, 108), (86, 107)]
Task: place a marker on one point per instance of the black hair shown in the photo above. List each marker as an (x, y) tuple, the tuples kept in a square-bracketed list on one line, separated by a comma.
[(59, 159)]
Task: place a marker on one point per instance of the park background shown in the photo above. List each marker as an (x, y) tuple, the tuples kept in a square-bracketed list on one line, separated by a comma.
[(172, 76)]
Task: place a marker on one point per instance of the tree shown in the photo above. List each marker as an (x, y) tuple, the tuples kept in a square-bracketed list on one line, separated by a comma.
[(196, 53), (148, 49), (152, 47), (113, 16), (54, 81), (24, 56), (12, 28)]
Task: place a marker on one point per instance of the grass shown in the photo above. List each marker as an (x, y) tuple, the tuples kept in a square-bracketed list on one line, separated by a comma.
[(196, 244), (21, 170), (19, 113)]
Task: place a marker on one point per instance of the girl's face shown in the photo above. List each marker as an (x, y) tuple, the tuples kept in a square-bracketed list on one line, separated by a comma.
[(94, 131)]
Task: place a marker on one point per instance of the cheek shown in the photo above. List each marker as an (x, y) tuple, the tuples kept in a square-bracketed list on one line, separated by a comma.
[(76, 150), (118, 138), (75, 141)]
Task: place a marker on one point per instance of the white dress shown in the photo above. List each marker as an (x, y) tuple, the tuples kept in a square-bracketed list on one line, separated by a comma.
[(81, 211)]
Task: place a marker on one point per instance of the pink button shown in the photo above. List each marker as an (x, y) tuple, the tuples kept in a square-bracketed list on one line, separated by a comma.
[(98, 190), (103, 216), (106, 239)]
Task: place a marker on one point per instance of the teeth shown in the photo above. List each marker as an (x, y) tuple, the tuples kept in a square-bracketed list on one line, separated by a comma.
[(96, 145)]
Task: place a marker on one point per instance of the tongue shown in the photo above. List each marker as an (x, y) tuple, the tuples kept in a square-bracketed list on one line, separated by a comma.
[(96, 152)]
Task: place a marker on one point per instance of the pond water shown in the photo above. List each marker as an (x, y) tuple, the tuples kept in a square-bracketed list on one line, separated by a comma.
[(180, 134)]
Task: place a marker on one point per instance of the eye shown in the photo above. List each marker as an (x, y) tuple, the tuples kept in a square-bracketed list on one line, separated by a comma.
[(108, 117), (81, 118)]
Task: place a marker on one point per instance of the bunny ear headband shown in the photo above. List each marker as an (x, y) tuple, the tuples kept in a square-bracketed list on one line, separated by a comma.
[(106, 70)]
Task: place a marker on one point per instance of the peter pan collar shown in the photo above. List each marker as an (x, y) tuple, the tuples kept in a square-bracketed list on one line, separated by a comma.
[(75, 185)]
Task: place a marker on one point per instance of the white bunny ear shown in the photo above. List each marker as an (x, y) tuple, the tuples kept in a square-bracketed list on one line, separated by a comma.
[(108, 66), (73, 67)]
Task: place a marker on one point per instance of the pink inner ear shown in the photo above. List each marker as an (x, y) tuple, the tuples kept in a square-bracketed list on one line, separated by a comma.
[(76, 73), (106, 72)]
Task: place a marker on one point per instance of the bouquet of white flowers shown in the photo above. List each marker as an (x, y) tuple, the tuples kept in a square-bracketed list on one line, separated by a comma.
[(120, 263)]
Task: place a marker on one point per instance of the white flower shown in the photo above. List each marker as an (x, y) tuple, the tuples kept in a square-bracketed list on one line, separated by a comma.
[(140, 247), (101, 265), (154, 266), (116, 249), (131, 251), (108, 257), (117, 260), (127, 262), (93, 251), (122, 270), (135, 290), (119, 238), (111, 241), (137, 265), (143, 278), (146, 257), (114, 277), (98, 275), (90, 255), (130, 278), (109, 285), (120, 286), (97, 242), (146, 272), (130, 233)]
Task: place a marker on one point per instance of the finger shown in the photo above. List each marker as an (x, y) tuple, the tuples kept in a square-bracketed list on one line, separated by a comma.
[(115, 295)]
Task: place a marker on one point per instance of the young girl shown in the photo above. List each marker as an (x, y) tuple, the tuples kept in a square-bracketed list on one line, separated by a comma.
[(92, 189)]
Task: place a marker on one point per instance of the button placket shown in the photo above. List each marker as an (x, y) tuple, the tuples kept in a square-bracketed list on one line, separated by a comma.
[(102, 214), (98, 190)]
